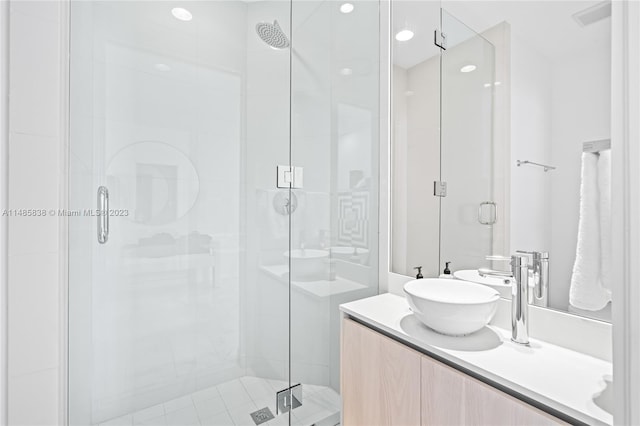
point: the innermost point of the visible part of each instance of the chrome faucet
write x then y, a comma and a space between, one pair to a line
519, 296
539, 269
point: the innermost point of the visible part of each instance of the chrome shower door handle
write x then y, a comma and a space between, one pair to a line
102, 214
492, 209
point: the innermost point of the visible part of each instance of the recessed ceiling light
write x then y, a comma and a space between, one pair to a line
487, 85
497, 83
468, 68
346, 71
409, 93
404, 35
346, 8
162, 67
181, 14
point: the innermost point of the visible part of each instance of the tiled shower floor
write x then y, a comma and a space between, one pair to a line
230, 404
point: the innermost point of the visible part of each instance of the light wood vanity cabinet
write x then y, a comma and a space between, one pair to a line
380, 379
387, 383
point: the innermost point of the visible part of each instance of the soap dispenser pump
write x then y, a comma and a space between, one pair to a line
447, 272
419, 276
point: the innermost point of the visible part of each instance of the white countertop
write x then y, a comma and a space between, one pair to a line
320, 288
556, 377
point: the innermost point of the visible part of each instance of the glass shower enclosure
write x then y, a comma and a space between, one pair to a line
468, 212
223, 161
444, 209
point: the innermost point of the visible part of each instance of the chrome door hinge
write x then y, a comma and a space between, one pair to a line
290, 177
440, 188
289, 399
440, 39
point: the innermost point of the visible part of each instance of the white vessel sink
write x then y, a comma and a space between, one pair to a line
353, 254
451, 307
308, 264
503, 285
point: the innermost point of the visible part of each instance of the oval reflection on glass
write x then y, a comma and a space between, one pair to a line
156, 182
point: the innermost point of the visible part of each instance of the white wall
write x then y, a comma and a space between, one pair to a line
422, 98
580, 112
416, 165
35, 179
530, 140
556, 105
399, 170
625, 116
4, 199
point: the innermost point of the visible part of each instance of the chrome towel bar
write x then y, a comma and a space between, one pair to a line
544, 166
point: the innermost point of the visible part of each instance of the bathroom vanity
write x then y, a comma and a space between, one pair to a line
394, 370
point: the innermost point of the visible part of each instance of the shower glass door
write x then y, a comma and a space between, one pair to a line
235, 145
179, 299
334, 133
468, 211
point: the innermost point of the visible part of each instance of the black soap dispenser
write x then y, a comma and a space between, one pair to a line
447, 272
419, 276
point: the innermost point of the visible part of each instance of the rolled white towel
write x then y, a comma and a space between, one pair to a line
586, 290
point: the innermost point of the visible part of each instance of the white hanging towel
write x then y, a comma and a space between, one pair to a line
587, 290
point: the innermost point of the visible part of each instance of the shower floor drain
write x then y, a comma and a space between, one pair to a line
262, 415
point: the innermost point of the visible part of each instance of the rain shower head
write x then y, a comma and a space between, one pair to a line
272, 34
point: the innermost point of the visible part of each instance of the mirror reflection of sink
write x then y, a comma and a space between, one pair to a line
502, 285
308, 264
353, 254
604, 398
451, 307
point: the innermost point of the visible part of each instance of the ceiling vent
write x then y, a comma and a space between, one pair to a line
593, 14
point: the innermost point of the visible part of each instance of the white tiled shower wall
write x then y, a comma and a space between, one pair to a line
35, 182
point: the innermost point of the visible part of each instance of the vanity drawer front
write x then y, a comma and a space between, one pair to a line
450, 397
485, 405
442, 390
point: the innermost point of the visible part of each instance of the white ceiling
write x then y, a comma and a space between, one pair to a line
547, 26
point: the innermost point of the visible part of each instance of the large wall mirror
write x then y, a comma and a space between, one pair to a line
507, 104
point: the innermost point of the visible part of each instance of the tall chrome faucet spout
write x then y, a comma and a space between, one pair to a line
539, 268
520, 300
519, 296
